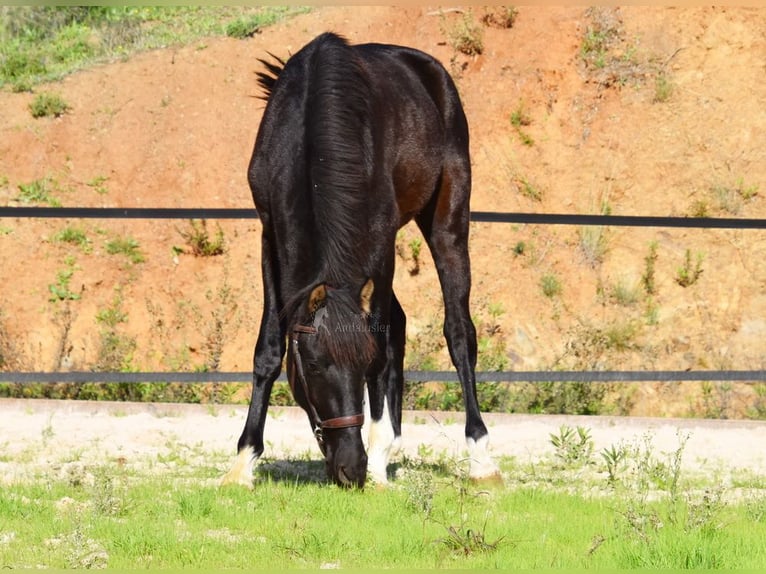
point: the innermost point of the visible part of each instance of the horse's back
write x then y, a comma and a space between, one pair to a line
416, 123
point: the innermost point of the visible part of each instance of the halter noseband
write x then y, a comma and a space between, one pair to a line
316, 421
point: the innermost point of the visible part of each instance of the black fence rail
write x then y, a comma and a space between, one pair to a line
476, 216
411, 376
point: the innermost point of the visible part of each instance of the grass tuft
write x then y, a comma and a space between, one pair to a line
48, 105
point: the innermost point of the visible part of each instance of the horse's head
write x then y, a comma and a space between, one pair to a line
331, 348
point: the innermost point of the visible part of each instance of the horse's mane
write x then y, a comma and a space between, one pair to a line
338, 164
267, 79
338, 153
339, 158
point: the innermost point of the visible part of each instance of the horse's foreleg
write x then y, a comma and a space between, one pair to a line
385, 394
267, 364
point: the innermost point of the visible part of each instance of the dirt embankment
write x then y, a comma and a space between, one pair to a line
635, 111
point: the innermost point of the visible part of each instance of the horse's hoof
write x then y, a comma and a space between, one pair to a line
494, 479
241, 472
228, 479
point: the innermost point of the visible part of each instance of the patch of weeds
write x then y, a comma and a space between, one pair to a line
47, 433
39, 191
551, 285
701, 514
601, 33
115, 350
520, 248
624, 294
520, 118
732, 198
467, 537
528, 189
242, 28
589, 347
48, 105
614, 459
648, 278
223, 322
746, 192
699, 208
98, 184
560, 397
106, 498
466, 36
424, 346
663, 88
199, 240
757, 409
716, 399
74, 236
655, 501
415, 246
652, 312
573, 447
593, 238
756, 508
78, 550
61, 290
689, 272
11, 357
420, 488
426, 495
126, 246
500, 16
593, 244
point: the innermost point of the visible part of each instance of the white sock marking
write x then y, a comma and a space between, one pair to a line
381, 441
480, 463
241, 471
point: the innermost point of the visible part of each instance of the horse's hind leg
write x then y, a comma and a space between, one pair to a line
444, 224
385, 393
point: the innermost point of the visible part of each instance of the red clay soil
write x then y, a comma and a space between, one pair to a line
668, 121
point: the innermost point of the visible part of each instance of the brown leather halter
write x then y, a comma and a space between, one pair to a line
316, 421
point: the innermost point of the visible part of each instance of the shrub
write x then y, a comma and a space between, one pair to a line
466, 36
500, 17
688, 273
551, 285
199, 241
47, 105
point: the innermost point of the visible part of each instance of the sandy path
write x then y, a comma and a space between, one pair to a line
37, 436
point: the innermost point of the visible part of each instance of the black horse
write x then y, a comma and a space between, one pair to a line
355, 142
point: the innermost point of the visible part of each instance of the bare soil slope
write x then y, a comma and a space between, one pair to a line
634, 111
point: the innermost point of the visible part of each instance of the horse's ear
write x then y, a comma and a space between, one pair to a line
365, 296
317, 297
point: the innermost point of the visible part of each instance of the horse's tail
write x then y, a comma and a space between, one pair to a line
339, 154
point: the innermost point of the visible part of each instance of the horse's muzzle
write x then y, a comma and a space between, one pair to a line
347, 465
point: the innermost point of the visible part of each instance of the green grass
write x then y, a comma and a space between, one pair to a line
114, 515
44, 43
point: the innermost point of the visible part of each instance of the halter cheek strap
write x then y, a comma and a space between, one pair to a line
316, 421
